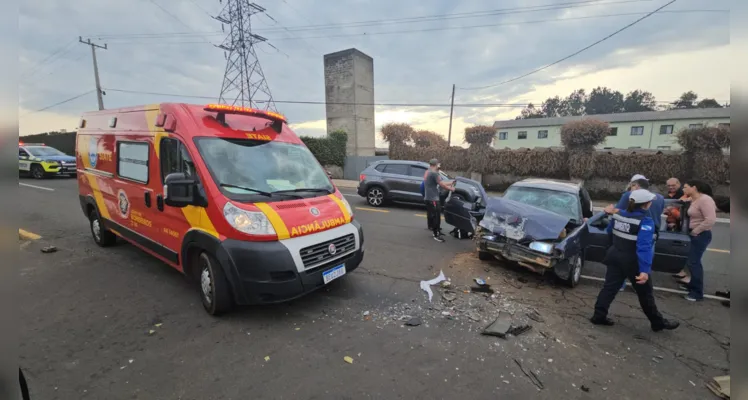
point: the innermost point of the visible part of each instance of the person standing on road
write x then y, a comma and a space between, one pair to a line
630, 256
703, 215
432, 183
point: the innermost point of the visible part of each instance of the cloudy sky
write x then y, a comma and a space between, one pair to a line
420, 49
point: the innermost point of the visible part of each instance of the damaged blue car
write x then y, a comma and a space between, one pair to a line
546, 225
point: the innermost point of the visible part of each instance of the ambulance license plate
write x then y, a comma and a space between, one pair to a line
334, 273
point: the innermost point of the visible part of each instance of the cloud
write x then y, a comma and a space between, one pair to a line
414, 67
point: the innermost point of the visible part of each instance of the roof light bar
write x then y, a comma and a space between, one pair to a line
227, 109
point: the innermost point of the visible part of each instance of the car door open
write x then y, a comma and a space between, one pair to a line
463, 214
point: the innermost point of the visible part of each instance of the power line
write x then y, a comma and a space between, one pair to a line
409, 20
58, 103
167, 12
50, 59
519, 23
575, 53
383, 104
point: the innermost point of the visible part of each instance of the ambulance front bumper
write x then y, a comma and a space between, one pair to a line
274, 272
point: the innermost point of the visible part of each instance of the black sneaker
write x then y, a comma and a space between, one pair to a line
439, 239
602, 321
666, 324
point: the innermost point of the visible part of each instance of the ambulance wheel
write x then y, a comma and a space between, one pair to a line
37, 172
485, 256
214, 288
102, 236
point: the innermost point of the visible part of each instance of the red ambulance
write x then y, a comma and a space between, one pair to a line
228, 195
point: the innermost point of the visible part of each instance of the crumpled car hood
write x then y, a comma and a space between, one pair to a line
521, 222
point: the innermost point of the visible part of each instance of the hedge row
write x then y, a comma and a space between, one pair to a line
329, 150
703, 158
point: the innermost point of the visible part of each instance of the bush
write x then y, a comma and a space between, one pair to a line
585, 133
329, 150
708, 138
425, 138
396, 133
480, 134
620, 165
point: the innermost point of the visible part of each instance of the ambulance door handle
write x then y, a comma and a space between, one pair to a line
160, 202
148, 199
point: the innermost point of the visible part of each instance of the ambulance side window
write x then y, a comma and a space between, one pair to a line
175, 158
22, 153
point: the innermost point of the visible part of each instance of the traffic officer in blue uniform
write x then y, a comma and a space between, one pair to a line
630, 255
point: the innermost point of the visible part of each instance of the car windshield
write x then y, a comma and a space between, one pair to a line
44, 151
562, 203
249, 167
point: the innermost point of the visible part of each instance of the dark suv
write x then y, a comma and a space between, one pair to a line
400, 181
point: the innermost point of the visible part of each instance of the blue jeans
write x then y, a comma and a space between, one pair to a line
699, 243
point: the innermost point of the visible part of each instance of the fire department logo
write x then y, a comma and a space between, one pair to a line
93, 151
123, 204
314, 211
332, 249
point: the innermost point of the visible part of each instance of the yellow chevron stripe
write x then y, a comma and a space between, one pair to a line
280, 227
344, 210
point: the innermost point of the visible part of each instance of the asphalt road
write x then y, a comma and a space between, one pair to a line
115, 323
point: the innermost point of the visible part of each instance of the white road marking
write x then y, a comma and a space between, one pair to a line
36, 187
661, 289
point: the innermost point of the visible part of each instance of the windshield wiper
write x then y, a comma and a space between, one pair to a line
317, 190
228, 185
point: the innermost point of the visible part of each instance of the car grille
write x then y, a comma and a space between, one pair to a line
319, 253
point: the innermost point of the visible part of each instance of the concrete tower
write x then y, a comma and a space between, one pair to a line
349, 81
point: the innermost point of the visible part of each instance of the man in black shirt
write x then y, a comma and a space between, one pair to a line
674, 189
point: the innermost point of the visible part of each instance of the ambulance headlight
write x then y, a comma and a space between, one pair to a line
347, 206
542, 247
250, 222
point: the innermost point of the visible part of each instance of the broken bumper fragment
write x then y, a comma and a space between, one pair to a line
516, 252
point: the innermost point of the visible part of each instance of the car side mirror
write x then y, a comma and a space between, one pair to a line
180, 191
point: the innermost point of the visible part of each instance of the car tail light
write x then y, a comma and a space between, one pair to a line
361, 177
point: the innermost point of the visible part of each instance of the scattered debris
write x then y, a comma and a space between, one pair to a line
520, 329
585, 389
426, 285
449, 296
474, 315
446, 284
49, 249
348, 359
655, 359
158, 325
130, 361
530, 375
366, 313
298, 329
151, 332
481, 289
535, 316
500, 327
522, 279
692, 384
480, 281
720, 386
415, 321
267, 358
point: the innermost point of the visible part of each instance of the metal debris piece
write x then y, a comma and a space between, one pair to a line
481, 289
480, 281
520, 329
585, 389
49, 249
415, 321
530, 375
500, 327
474, 316
348, 359
535, 316
449, 296
446, 284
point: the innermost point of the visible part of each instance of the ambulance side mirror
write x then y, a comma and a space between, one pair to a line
180, 191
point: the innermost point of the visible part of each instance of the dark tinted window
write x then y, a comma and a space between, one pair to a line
397, 169
175, 158
380, 167
417, 172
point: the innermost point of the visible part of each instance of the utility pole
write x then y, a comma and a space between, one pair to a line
99, 93
451, 111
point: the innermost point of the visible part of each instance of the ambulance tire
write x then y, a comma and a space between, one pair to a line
214, 287
102, 236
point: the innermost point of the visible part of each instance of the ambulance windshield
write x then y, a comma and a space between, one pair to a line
263, 167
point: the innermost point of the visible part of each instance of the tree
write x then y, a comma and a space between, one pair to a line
575, 103
603, 100
686, 100
639, 100
531, 112
553, 107
708, 103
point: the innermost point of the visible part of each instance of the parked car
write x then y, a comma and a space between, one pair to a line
539, 224
400, 181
